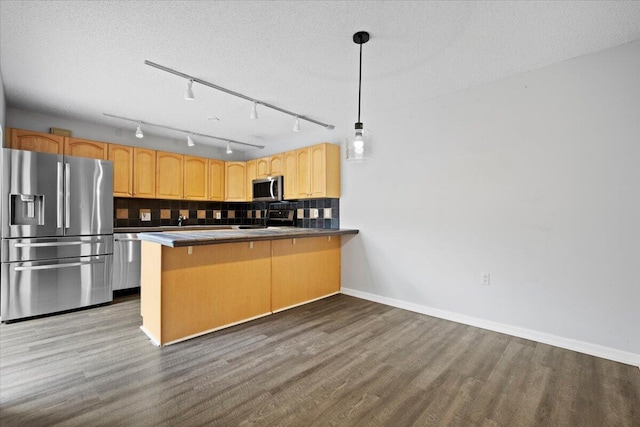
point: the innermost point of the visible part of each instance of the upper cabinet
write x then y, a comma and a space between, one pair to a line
269, 166
195, 178
318, 171
86, 148
290, 173
169, 175
122, 157
216, 180
36, 141
252, 173
235, 181
144, 173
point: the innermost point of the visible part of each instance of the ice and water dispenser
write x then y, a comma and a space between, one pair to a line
27, 209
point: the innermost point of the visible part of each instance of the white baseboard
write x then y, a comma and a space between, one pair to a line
530, 334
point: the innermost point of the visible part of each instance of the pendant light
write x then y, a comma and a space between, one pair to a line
139, 133
357, 149
188, 93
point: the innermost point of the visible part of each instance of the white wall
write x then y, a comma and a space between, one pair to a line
534, 179
3, 111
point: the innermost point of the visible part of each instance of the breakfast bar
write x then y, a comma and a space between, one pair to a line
199, 281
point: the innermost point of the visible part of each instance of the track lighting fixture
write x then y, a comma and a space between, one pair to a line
190, 135
356, 148
254, 111
229, 150
239, 95
188, 93
296, 125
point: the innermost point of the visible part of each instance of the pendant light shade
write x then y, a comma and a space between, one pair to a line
358, 148
296, 125
190, 142
254, 111
229, 150
139, 133
188, 93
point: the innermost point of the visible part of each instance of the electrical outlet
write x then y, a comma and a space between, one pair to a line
217, 214
313, 213
145, 216
485, 279
327, 212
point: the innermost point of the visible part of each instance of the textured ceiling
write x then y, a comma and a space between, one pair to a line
81, 59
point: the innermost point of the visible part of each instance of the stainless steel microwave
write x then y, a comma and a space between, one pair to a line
268, 189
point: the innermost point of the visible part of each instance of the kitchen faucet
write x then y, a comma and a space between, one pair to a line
180, 219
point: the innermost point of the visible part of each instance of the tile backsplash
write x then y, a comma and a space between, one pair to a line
314, 213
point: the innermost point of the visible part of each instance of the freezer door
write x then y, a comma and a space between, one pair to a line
42, 287
88, 201
32, 194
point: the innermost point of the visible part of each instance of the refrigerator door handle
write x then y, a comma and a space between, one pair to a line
60, 195
67, 195
55, 266
50, 244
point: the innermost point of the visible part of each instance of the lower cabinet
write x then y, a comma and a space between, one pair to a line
303, 270
188, 292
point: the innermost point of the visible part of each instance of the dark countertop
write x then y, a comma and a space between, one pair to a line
186, 237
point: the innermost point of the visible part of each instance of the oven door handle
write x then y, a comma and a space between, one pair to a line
55, 266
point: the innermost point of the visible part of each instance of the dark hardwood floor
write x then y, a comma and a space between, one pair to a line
341, 361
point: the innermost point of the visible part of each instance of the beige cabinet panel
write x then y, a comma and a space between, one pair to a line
144, 173
252, 168
195, 178
37, 141
86, 148
122, 157
216, 180
318, 171
235, 181
290, 172
303, 270
169, 175
262, 167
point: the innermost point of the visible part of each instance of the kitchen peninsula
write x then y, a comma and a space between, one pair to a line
199, 281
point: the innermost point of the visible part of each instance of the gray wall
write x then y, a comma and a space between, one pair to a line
3, 111
534, 179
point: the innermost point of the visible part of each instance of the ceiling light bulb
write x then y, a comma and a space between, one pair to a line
139, 133
188, 93
296, 125
229, 150
190, 142
254, 111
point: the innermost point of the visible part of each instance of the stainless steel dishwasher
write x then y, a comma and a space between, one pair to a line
126, 261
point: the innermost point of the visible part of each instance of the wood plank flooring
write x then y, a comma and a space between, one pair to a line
340, 361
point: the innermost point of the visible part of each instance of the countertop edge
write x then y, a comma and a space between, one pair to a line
164, 239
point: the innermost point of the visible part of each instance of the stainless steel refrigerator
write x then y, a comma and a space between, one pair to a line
57, 233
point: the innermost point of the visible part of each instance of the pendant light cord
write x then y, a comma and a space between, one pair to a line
360, 83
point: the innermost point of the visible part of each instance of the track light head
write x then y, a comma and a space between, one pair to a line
296, 125
229, 150
188, 93
139, 133
190, 142
254, 111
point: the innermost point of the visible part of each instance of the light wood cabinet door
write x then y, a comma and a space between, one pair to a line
86, 148
235, 189
216, 180
290, 171
303, 176
318, 172
195, 178
169, 175
262, 167
122, 157
303, 270
276, 164
252, 173
144, 173
37, 141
